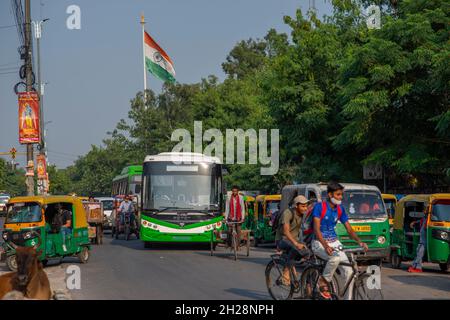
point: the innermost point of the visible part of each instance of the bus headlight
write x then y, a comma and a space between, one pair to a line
381, 239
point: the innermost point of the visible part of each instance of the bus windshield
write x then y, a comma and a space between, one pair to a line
441, 211
23, 212
179, 190
361, 204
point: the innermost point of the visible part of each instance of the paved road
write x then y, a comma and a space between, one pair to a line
125, 270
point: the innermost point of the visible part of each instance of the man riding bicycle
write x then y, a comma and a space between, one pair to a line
326, 244
127, 207
288, 232
235, 210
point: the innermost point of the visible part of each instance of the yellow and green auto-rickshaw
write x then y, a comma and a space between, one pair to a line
390, 202
405, 239
266, 206
250, 212
32, 220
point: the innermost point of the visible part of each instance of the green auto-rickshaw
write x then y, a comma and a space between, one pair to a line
266, 206
405, 239
29, 218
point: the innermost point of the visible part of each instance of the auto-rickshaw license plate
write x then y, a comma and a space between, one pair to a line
361, 228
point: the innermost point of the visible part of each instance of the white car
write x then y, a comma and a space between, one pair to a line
108, 205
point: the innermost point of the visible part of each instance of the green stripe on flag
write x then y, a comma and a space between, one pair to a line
158, 71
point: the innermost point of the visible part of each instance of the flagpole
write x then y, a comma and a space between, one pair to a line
143, 58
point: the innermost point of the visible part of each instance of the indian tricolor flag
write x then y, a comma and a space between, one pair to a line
157, 61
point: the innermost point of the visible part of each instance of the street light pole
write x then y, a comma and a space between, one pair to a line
29, 181
37, 34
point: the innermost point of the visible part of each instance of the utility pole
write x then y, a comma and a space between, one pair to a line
37, 34
29, 81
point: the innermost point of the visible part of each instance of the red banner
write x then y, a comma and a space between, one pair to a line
29, 126
41, 166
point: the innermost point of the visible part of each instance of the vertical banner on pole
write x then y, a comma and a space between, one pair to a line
29, 128
41, 167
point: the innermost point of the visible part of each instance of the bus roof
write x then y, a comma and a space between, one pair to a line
129, 171
186, 157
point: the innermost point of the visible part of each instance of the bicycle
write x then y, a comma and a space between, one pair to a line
235, 239
278, 286
235, 242
357, 283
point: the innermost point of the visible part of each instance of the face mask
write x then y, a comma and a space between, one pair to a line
336, 202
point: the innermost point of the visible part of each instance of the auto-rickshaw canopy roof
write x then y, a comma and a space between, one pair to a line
388, 196
78, 210
425, 198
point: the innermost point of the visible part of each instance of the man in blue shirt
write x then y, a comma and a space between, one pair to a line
325, 245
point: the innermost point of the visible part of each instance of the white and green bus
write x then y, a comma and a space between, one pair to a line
181, 198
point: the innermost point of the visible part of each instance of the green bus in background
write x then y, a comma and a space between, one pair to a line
182, 198
128, 182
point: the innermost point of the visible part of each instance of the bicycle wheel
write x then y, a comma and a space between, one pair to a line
309, 283
235, 244
364, 289
279, 287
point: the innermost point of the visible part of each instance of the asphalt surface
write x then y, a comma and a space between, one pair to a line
121, 269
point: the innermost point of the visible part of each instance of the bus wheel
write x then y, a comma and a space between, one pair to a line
396, 260
444, 266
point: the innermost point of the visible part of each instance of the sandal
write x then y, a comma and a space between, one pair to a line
325, 292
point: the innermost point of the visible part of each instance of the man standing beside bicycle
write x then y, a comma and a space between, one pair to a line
326, 244
288, 231
235, 211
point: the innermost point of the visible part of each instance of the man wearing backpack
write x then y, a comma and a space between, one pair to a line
325, 245
288, 231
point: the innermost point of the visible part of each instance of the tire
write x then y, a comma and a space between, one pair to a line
309, 284
235, 247
396, 260
361, 290
11, 262
444, 266
274, 283
44, 262
126, 232
83, 255
256, 242
248, 245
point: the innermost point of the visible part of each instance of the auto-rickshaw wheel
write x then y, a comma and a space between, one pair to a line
444, 266
44, 262
396, 260
83, 255
11, 262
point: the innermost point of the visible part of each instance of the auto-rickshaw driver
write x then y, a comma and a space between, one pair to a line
63, 221
420, 224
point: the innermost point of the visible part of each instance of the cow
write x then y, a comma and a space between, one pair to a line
30, 278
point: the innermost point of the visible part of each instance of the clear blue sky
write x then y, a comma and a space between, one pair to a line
94, 72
